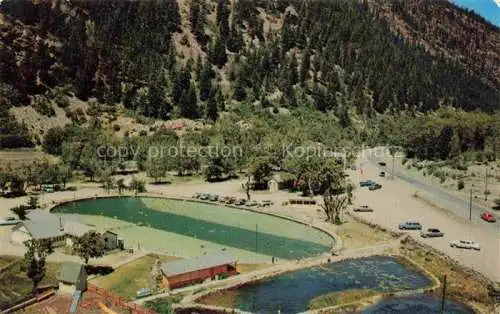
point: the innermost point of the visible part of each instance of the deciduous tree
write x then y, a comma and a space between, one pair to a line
90, 245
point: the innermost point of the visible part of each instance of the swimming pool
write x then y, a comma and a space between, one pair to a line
190, 228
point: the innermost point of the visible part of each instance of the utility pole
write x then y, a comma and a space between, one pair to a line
470, 205
256, 239
486, 184
444, 293
392, 172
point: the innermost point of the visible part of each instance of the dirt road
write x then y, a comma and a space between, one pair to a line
396, 203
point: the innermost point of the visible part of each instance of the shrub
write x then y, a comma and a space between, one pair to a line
460, 185
480, 156
43, 106
442, 178
116, 127
61, 101
143, 133
276, 110
77, 116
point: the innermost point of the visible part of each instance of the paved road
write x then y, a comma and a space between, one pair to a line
454, 204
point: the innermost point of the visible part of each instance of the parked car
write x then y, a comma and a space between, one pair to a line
374, 187
266, 203
204, 196
465, 244
410, 225
231, 200
363, 208
381, 174
252, 204
223, 199
431, 233
196, 195
366, 183
241, 201
143, 292
213, 197
489, 217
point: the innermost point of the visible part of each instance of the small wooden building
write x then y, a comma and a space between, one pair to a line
72, 277
112, 240
213, 266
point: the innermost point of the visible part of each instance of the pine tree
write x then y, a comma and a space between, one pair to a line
206, 76
212, 110
220, 99
157, 104
304, 66
222, 19
235, 39
189, 103
219, 57
239, 91
181, 84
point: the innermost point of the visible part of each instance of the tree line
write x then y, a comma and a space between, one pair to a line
337, 56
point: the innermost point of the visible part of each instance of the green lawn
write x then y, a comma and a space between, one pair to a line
129, 278
14, 284
341, 297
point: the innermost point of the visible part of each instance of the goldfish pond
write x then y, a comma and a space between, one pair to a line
292, 292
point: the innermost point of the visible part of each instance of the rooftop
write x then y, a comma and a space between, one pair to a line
76, 229
70, 272
43, 224
178, 267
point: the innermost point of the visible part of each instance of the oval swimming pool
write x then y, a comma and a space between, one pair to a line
185, 228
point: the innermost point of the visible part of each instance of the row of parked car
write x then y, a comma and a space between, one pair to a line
231, 200
434, 233
428, 233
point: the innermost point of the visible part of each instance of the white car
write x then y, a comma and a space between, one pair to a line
465, 244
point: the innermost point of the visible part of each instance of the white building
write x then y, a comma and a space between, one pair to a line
43, 225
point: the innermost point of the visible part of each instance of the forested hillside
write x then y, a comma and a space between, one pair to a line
197, 59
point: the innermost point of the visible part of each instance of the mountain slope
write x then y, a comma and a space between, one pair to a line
446, 30
193, 59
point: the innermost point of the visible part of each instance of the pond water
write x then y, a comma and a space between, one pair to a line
419, 304
182, 227
292, 292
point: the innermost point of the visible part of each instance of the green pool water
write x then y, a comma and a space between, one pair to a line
188, 228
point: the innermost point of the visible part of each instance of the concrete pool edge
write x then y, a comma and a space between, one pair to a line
338, 243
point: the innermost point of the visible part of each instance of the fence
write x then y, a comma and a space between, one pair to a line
119, 301
31, 301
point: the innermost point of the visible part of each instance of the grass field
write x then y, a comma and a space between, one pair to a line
5, 260
355, 235
129, 278
341, 297
14, 285
9, 156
